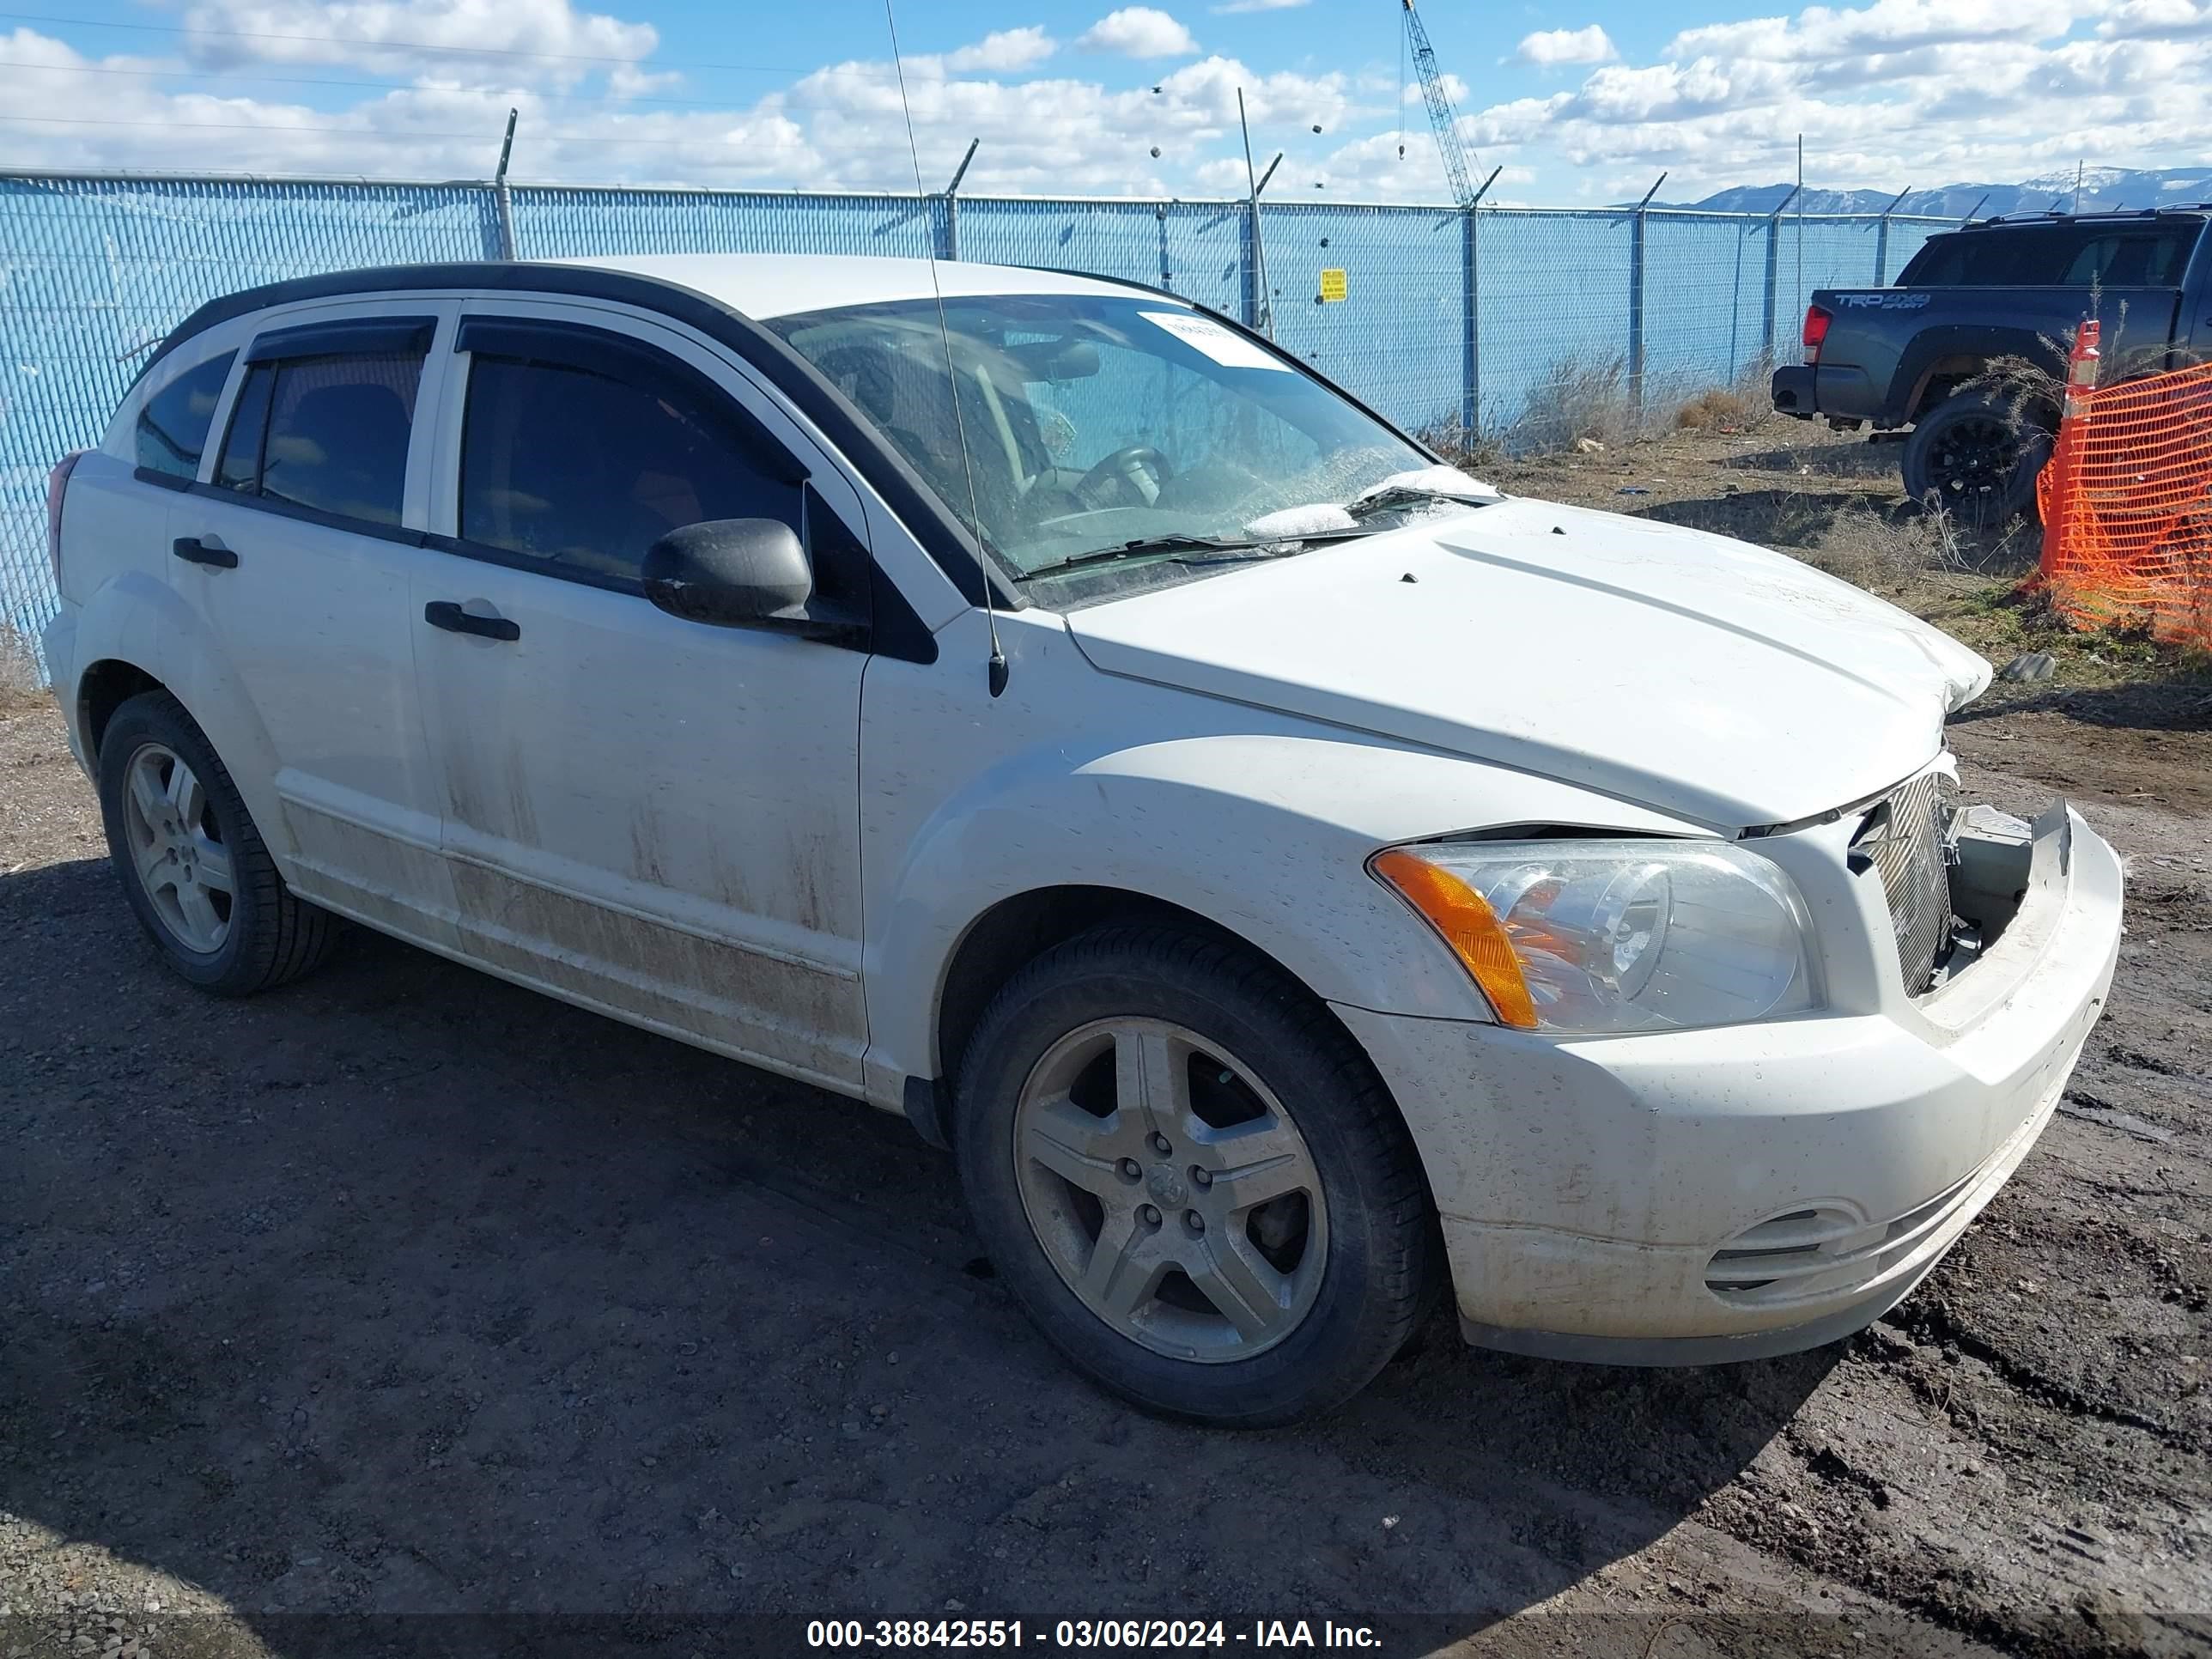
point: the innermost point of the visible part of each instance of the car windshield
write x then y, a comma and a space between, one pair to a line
1100, 426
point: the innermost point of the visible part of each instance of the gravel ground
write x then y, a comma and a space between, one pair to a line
406, 1292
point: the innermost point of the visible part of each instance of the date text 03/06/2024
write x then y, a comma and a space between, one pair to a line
1086, 1633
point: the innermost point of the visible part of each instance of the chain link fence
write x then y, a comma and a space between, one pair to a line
1514, 325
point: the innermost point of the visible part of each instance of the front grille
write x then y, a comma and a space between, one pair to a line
1906, 838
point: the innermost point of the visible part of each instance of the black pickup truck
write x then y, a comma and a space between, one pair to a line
1894, 357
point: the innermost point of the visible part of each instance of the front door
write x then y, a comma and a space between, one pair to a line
649, 815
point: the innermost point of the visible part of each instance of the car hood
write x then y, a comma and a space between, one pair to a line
1678, 670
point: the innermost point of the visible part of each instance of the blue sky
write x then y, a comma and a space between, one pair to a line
1576, 102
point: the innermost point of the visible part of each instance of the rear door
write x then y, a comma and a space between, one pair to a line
651, 816
300, 543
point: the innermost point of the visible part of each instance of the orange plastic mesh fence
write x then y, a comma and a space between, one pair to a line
2127, 508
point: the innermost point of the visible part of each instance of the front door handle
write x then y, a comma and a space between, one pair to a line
444, 613
193, 550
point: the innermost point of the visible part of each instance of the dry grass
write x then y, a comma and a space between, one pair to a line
1584, 403
1721, 409
21, 682
1578, 400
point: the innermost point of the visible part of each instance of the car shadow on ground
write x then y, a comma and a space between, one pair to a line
2181, 705
405, 1291
1860, 460
1801, 518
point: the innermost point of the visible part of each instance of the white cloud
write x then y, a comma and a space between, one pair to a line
1455, 90
1890, 92
1003, 51
1138, 31
1887, 93
1548, 47
2159, 20
1821, 33
561, 43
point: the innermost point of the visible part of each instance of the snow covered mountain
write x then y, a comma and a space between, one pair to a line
2101, 188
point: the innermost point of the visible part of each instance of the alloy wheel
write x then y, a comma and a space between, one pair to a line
1170, 1190
1974, 463
176, 848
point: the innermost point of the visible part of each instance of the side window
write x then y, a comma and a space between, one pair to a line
172, 427
2133, 258
329, 433
587, 470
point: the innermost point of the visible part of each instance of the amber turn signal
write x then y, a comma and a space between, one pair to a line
1467, 923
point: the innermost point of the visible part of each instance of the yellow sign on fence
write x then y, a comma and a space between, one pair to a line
1332, 285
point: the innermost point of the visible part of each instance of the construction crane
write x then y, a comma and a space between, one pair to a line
1440, 109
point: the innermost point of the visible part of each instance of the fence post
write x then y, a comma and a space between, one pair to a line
1248, 264
1774, 270
1636, 313
1470, 357
948, 248
1882, 241
1259, 302
1635, 298
502, 198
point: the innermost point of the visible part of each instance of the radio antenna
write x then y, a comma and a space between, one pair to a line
996, 677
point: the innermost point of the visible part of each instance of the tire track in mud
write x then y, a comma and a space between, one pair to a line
1931, 1319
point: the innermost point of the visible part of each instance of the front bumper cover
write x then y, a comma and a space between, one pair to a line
1584, 1186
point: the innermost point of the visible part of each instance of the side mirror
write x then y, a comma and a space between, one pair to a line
734, 572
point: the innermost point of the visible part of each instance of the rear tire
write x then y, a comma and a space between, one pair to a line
1977, 458
193, 866
1192, 1178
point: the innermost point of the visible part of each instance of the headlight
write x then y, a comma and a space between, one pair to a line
1604, 936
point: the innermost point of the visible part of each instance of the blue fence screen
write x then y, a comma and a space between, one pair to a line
1496, 324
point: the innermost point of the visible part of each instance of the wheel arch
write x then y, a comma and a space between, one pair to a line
1940, 380
104, 687
1023, 927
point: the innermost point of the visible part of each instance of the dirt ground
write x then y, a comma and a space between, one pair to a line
406, 1311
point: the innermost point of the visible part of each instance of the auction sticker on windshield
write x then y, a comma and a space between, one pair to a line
1204, 334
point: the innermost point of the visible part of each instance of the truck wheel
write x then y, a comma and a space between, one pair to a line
1975, 457
1192, 1178
193, 865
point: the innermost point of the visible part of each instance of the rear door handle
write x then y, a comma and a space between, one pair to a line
193, 550
444, 613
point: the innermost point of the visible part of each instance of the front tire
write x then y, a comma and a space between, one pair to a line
1192, 1179
193, 865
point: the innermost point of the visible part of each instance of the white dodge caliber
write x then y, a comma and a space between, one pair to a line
1290, 877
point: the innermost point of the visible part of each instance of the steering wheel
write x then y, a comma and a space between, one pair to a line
1127, 465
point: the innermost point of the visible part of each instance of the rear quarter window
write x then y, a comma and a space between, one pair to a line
172, 430
326, 433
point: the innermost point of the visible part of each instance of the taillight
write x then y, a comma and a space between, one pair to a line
1816, 330
57, 486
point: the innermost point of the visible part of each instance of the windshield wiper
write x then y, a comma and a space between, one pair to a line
1404, 495
1239, 549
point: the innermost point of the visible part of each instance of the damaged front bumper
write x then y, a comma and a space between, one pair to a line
1687, 1197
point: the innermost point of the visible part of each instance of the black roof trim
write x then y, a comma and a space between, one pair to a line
362, 336
932, 523
2095, 216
